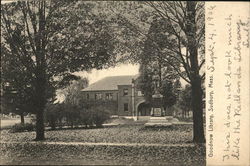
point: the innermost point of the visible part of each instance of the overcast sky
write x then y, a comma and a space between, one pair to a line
125, 69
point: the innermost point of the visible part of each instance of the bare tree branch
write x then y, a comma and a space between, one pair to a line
203, 76
32, 44
180, 4
172, 9
200, 34
202, 63
177, 70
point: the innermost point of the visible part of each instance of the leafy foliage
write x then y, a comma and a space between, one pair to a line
72, 93
53, 115
152, 58
22, 127
50, 40
56, 38
17, 93
187, 26
186, 99
169, 95
99, 115
66, 114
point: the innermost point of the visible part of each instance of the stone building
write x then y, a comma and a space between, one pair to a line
122, 94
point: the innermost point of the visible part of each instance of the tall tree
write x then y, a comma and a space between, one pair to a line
17, 93
56, 38
151, 59
187, 26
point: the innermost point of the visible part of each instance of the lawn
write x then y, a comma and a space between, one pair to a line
126, 133
173, 152
51, 154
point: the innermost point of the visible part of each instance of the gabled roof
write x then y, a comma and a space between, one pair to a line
110, 83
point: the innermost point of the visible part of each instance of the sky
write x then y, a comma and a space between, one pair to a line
96, 75
124, 69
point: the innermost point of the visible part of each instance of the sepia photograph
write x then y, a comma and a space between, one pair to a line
108, 83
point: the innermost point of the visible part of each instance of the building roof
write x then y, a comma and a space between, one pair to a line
110, 83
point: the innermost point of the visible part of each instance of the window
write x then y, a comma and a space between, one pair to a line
87, 96
125, 106
98, 96
125, 92
109, 96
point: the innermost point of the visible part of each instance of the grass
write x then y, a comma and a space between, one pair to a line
40, 154
126, 133
46, 154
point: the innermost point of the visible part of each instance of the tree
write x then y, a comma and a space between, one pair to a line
185, 26
151, 59
72, 93
168, 87
80, 36
52, 114
17, 92
169, 95
187, 23
42, 33
14, 100
69, 105
185, 100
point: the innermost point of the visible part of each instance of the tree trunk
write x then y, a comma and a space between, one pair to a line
40, 125
40, 102
22, 118
41, 80
198, 130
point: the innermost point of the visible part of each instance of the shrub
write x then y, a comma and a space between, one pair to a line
190, 119
86, 117
72, 115
54, 114
75, 115
22, 127
50, 115
99, 115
